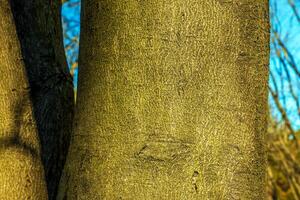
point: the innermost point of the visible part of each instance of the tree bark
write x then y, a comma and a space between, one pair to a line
21, 174
39, 30
172, 101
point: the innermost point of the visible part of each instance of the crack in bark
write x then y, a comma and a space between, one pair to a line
164, 151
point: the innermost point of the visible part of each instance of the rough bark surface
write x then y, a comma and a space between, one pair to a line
21, 170
39, 31
172, 101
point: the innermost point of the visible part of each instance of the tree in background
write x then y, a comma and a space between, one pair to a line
283, 134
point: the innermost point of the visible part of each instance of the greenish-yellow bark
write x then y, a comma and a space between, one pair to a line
172, 101
21, 171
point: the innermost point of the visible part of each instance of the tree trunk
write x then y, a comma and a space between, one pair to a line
172, 101
21, 174
40, 33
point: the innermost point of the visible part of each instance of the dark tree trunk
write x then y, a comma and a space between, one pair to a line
40, 34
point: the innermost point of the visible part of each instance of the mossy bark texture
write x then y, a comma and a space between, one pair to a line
21, 170
172, 101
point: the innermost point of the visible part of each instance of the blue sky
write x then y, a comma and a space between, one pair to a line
71, 13
289, 29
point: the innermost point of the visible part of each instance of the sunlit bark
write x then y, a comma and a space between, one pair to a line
172, 101
21, 174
